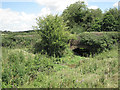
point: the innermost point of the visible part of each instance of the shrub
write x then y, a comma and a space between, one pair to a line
53, 33
97, 42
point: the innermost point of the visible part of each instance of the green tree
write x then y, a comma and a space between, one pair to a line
96, 26
74, 14
54, 34
91, 19
116, 14
109, 23
79, 18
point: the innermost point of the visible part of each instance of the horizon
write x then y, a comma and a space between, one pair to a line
19, 15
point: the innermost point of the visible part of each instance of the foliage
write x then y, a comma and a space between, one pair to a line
91, 18
22, 69
15, 69
97, 42
42, 63
98, 72
79, 17
74, 14
54, 36
109, 23
114, 11
96, 25
17, 40
111, 20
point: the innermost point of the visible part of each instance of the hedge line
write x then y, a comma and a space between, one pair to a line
97, 42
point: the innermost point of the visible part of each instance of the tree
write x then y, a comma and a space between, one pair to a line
92, 19
53, 34
116, 14
109, 23
96, 26
74, 14
79, 18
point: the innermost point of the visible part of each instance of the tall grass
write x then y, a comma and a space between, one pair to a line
100, 71
22, 68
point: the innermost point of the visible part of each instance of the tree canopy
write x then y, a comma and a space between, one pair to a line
80, 18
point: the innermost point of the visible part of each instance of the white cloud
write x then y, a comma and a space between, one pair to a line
93, 7
13, 21
115, 4
57, 5
19, 21
45, 11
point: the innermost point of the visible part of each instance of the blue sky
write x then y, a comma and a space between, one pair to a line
17, 15
33, 7
102, 5
28, 7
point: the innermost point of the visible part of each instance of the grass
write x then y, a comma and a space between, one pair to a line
23, 69
100, 71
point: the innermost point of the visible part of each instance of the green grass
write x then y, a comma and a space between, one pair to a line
100, 71
23, 69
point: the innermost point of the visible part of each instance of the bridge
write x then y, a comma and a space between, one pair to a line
74, 44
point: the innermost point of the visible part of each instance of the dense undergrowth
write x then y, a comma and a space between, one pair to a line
23, 68
45, 59
98, 42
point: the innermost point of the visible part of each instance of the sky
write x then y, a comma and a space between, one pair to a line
20, 15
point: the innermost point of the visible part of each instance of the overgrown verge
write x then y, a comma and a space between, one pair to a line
98, 42
98, 72
16, 67
20, 67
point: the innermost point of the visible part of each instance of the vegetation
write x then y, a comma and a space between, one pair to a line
22, 69
98, 42
43, 58
53, 34
79, 18
18, 39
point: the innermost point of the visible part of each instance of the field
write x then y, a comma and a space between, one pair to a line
23, 68
76, 48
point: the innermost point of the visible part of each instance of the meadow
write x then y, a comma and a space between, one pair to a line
77, 49
22, 68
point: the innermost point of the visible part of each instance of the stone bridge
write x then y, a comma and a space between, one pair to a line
79, 49
74, 44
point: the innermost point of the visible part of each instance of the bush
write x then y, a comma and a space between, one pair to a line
53, 34
97, 42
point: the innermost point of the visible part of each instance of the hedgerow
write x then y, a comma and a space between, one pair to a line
97, 42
